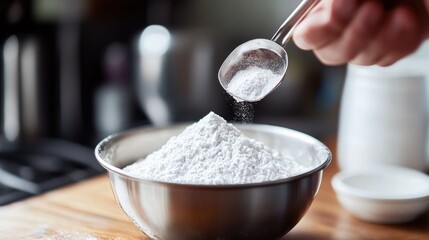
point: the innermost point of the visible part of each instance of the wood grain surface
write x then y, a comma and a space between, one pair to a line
88, 211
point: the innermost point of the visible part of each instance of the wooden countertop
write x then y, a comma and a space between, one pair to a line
88, 211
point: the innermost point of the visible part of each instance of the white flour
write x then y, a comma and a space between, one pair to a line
253, 83
213, 152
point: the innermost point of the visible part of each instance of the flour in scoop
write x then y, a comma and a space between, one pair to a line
213, 152
253, 83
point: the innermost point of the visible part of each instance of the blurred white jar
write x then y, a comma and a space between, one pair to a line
384, 115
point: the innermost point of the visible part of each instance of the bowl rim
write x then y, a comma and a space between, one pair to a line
340, 187
267, 128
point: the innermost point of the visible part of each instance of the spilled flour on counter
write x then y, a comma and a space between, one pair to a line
213, 152
253, 83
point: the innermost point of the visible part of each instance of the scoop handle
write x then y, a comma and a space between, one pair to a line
285, 31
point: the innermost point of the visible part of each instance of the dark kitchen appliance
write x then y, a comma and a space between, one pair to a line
27, 168
36, 155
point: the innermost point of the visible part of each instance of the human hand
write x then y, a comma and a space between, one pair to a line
364, 32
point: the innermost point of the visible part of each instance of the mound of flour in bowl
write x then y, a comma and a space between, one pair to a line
213, 152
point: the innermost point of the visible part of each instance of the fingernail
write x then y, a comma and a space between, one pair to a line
301, 42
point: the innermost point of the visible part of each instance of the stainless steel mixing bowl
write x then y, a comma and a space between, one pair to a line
266, 210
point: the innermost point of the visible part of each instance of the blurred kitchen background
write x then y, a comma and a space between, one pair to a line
74, 71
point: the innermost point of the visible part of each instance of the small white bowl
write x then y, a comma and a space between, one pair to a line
383, 194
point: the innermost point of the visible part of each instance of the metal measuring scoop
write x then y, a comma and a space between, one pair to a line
263, 53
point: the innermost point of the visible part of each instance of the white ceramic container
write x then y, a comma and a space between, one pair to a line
384, 194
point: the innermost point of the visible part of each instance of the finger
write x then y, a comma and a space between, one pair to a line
410, 37
325, 24
360, 32
390, 36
